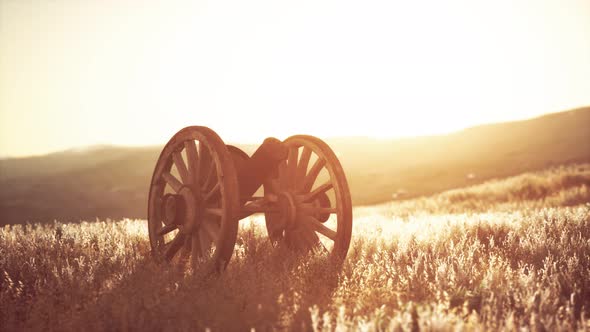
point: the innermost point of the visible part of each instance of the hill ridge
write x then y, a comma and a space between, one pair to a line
113, 182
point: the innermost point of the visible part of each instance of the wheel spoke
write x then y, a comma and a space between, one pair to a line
273, 186
319, 190
203, 154
210, 175
186, 249
292, 167
317, 226
210, 228
205, 242
317, 210
255, 198
217, 212
181, 167
172, 181
275, 228
310, 237
212, 192
174, 246
313, 174
161, 167
302, 167
292, 240
193, 161
166, 229
195, 249
206, 163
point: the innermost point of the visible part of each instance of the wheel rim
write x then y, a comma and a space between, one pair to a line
310, 186
193, 200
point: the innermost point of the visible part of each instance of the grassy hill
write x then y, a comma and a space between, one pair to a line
112, 182
506, 255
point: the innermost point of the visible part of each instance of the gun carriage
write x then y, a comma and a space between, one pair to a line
201, 188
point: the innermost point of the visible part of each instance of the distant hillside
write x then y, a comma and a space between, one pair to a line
426, 165
113, 181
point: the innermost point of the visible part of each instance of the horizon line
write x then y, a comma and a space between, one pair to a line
97, 146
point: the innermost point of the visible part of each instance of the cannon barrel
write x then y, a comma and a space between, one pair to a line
253, 171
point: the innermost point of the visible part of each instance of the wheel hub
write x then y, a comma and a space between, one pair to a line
322, 202
288, 208
173, 207
182, 209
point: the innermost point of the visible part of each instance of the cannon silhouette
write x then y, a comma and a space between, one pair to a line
201, 188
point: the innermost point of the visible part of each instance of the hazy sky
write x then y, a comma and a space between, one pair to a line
81, 72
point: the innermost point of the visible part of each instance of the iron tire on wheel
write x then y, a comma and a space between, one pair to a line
199, 209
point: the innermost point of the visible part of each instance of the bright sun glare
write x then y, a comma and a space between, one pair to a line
88, 72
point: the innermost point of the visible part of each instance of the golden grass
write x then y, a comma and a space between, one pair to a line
560, 186
505, 255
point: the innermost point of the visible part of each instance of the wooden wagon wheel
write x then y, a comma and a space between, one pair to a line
194, 200
313, 198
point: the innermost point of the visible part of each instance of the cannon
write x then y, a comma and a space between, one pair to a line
201, 188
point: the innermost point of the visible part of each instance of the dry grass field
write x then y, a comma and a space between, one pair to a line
511, 254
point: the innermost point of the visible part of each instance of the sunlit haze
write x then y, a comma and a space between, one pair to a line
80, 72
